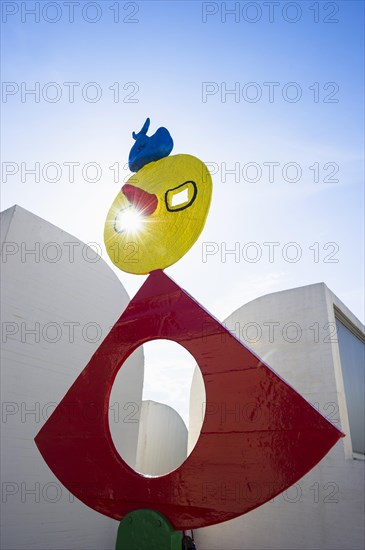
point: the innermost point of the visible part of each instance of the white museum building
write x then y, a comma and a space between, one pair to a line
55, 314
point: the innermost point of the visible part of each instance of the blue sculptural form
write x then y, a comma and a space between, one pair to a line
148, 149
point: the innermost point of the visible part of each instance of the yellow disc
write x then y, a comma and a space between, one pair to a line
159, 214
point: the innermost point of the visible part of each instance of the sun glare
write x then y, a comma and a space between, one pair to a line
129, 220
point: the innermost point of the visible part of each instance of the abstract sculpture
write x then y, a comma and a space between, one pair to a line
237, 463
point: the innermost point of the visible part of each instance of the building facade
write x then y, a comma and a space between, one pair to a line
311, 339
59, 299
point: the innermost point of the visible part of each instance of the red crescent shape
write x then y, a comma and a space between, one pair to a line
241, 459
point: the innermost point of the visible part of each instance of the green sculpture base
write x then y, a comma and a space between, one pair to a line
147, 530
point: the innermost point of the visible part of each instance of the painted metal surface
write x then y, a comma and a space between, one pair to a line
244, 456
158, 214
149, 148
147, 530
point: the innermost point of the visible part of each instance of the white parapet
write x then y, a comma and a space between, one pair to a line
309, 337
162, 441
59, 299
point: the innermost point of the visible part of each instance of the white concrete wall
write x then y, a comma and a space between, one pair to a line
196, 408
71, 305
162, 441
292, 332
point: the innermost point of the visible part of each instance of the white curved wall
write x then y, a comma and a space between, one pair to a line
70, 305
162, 441
292, 331
196, 408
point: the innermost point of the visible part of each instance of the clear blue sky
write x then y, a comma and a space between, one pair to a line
161, 62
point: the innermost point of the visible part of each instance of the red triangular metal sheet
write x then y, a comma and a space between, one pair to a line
241, 460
